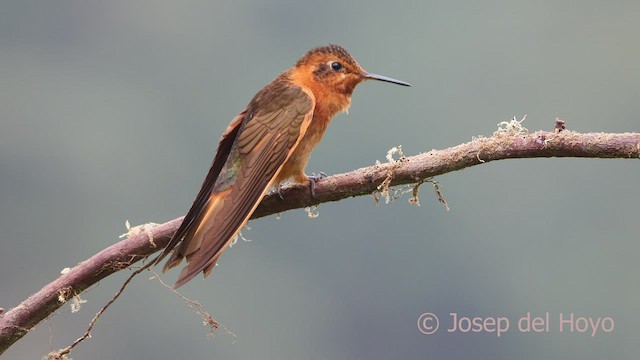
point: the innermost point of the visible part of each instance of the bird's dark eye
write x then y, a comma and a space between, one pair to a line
336, 66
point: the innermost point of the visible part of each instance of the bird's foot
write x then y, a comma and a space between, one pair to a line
313, 179
279, 191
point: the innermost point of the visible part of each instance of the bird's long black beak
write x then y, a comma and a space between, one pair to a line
384, 78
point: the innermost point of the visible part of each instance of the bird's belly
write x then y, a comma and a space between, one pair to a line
293, 168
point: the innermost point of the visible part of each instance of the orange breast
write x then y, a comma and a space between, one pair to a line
293, 169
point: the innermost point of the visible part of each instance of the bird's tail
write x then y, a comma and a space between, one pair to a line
206, 239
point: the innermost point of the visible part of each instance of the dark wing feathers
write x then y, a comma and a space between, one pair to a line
258, 168
252, 151
189, 224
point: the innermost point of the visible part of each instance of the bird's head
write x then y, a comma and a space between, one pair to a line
331, 72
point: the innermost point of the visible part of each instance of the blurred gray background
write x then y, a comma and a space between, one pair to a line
112, 111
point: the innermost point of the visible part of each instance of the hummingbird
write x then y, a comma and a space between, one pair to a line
265, 145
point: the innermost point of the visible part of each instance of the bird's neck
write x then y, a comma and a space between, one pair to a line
328, 101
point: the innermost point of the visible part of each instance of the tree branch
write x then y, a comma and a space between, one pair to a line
511, 142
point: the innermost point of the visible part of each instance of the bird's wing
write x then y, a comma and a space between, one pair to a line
192, 218
250, 155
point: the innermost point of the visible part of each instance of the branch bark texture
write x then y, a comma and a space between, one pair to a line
509, 144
